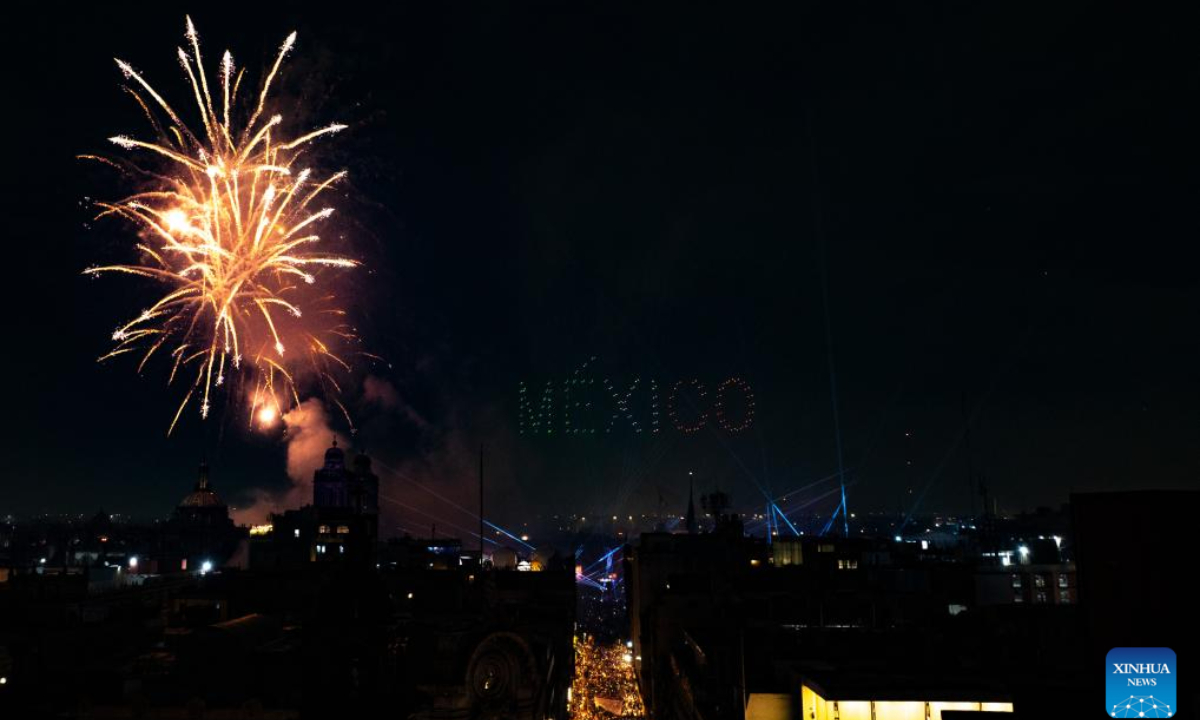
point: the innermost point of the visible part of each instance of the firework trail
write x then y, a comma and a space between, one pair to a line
228, 226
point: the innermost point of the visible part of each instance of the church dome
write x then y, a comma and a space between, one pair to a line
201, 498
202, 495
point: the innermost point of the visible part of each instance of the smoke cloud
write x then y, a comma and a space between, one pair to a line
380, 392
425, 449
309, 434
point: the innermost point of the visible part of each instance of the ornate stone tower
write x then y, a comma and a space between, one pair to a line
331, 483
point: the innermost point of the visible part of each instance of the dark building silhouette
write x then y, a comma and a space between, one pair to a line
331, 486
199, 531
341, 525
728, 626
1132, 551
202, 506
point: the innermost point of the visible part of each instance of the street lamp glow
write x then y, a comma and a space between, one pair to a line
206, 567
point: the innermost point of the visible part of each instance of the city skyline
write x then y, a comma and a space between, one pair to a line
599, 361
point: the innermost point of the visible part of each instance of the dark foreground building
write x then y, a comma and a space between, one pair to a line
729, 627
322, 623
1136, 586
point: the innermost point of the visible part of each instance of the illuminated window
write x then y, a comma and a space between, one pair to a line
343, 529
1039, 580
1040, 597
825, 548
815, 707
323, 529
847, 564
1062, 581
1064, 596
1016, 581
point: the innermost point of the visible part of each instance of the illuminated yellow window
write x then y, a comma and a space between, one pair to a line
815, 707
343, 529
323, 529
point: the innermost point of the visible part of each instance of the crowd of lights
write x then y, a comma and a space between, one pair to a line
226, 222
604, 686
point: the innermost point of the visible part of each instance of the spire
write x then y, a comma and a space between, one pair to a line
202, 481
691, 511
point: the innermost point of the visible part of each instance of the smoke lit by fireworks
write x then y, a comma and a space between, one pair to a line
227, 223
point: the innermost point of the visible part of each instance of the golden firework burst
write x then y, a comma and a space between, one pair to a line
227, 223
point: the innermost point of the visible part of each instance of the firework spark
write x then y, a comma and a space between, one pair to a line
228, 227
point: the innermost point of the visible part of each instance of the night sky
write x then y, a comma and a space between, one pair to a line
1003, 204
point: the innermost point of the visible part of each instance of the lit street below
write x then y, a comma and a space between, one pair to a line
604, 686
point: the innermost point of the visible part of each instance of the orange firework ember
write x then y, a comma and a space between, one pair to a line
228, 226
